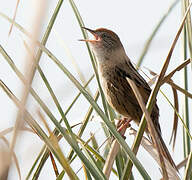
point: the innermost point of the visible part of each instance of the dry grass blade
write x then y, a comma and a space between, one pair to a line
169, 81
182, 163
172, 173
42, 118
111, 158
46, 154
8, 130
85, 172
53, 137
180, 89
14, 16
151, 127
165, 66
54, 164
152, 81
6, 158
181, 66
2, 134
175, 121
112, 154
4, 167
29, 68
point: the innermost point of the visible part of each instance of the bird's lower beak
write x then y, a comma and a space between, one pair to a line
93, 33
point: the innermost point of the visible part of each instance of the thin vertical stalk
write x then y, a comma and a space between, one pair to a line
185, 103
188, 28
188, 170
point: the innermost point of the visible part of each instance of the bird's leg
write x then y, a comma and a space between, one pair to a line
123, 124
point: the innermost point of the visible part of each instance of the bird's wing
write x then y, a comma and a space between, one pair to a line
144, 90
128, 70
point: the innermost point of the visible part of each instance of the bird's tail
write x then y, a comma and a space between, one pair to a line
165, 151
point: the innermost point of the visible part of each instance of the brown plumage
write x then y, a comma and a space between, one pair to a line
114, 67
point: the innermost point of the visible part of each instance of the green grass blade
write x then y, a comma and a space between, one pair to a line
42, 162
148, 42
75, 99
119, 163
88, 175
48, 30
61, 175
93, 151
92, 57
94, 163
182, 120
35, 162
85, 122
185, 103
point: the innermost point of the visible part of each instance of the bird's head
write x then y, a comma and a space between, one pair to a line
105, 42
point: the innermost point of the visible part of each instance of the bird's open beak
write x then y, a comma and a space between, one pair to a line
93, 33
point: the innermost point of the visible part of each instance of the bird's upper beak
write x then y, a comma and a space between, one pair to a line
93, 33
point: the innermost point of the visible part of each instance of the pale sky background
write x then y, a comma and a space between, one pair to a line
133, 21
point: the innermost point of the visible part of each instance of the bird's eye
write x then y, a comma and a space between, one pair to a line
104, 36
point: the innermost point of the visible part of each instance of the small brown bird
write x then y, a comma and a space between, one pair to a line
114, 66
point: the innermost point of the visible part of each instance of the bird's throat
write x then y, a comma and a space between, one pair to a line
110, 58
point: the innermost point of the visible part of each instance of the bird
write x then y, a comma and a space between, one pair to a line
114, 67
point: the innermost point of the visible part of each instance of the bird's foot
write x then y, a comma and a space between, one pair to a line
122, 125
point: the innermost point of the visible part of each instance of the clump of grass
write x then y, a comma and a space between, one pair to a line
94, 164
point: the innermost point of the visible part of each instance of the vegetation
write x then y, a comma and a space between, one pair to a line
118, 157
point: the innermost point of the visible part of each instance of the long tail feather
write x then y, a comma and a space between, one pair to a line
165, 151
